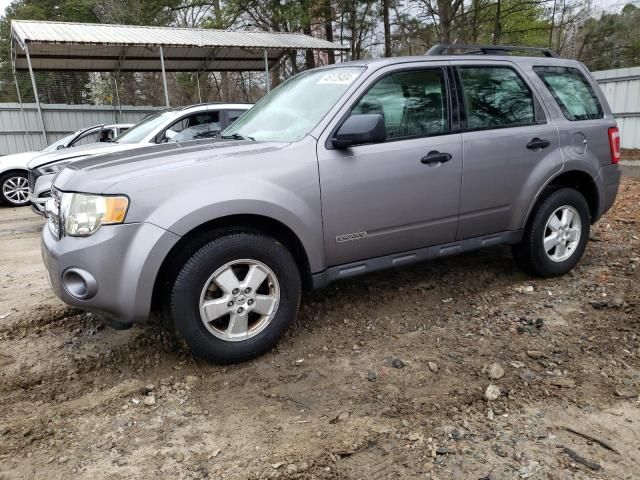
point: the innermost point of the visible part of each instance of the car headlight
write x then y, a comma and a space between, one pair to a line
52, 168
82, 214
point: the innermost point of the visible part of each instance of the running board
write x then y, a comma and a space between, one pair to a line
348, 270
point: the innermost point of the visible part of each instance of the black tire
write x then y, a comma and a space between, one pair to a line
530, 253
12, 176
185, 291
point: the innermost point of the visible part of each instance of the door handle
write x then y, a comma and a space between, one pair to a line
538, 144
435, 157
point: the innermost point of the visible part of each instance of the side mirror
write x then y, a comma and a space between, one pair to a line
59, 147
359, 129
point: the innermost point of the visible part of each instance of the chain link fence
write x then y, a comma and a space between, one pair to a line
135, 89
74, 100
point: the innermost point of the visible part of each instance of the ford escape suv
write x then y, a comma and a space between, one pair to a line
340, 171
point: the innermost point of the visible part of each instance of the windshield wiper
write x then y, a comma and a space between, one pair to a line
237, 136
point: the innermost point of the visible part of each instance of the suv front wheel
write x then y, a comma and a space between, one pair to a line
557, 234
235, 297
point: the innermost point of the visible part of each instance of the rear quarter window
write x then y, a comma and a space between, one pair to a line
572, 92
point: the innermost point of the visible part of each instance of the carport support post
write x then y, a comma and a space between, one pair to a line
115, 83
22, 114
164, 78
198, 81
266, 70
35, 94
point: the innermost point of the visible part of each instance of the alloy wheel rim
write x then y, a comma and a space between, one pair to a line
562, 233
239, 300
16, 190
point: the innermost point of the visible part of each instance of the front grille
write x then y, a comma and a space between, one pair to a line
32, 180
32, 176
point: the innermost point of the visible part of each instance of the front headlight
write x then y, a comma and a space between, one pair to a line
52, 168
83, 214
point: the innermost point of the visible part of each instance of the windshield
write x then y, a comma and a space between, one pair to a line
293, 109
141, 130
63, 141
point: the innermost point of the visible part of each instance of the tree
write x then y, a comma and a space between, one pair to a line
611, 41
387, 28
327, 12
53, 88
133, 12
308, 12
370, 28
443, 14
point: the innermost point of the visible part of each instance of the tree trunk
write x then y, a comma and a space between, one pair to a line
328, 30
560, 29
275, 22
275, 76
306, 29
353, 27
553, 19
223, 91
476, 22
497, 27
387, 28
445, 14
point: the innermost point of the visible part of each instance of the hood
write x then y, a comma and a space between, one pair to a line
17, 160
82, 151
97, 174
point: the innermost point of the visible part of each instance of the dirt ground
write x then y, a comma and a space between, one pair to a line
631, 153
382, 377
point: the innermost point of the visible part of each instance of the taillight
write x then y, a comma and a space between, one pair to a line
614, 143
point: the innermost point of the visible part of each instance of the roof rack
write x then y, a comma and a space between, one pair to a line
440, 48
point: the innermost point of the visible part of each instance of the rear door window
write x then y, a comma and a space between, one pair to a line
495, 97
572, 92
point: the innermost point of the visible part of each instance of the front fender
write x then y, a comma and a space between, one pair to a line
190, 209
16, 161
278, 183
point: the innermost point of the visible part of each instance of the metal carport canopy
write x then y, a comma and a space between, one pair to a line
95, 47
55, 46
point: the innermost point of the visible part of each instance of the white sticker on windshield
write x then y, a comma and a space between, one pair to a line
343, 78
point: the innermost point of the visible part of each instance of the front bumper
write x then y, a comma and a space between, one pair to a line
39, 191
122, 260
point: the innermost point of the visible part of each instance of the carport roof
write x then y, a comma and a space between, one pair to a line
90, 47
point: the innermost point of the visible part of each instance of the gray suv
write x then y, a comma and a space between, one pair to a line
340, 171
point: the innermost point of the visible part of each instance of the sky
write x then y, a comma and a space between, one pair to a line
3, 5
600, 5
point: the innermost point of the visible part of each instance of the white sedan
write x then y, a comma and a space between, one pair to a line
195, 122
14, 185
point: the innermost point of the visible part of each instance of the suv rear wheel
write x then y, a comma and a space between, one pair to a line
557, 234
235, 297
